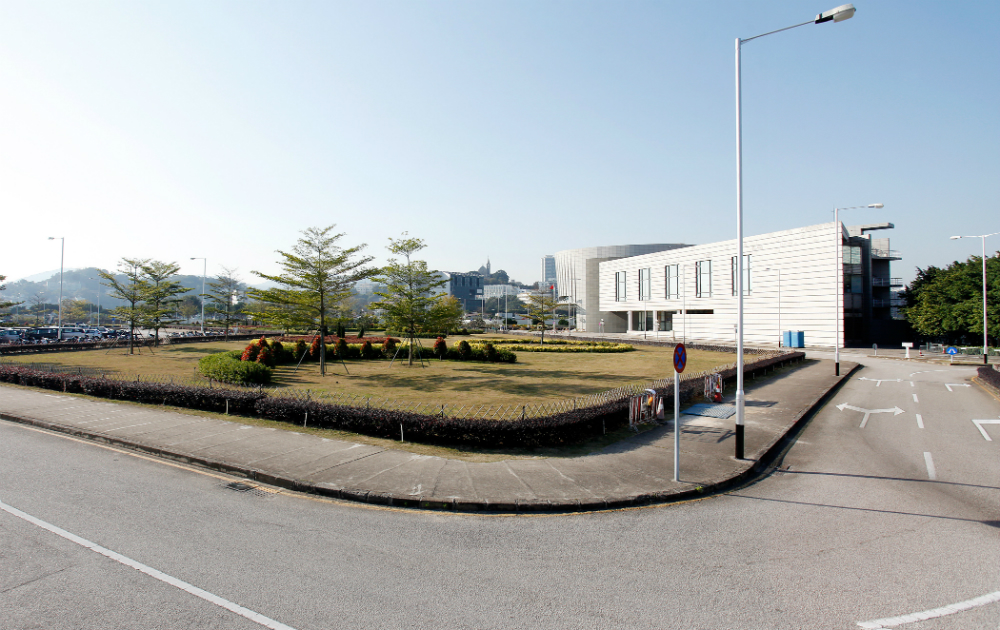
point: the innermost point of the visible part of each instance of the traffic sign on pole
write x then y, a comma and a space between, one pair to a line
680, 358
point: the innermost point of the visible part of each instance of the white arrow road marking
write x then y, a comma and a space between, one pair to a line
950, 385
879, 381
928, 371
979, 425
951, 609
894, 411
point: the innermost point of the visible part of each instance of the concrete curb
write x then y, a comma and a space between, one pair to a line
770, 454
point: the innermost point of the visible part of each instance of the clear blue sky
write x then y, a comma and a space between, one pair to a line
509, 129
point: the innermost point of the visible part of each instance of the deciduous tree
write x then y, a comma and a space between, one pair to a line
133, 289
948, 303
317, 275
411, 291
540, 307
225, 292
162, 297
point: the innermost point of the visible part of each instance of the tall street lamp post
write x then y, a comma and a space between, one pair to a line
986, 355
62, 257
204, 272
839, 14
98, 302
838, 289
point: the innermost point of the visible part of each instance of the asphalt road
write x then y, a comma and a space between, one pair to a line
858, 525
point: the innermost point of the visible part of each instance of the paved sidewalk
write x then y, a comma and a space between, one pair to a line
635, 471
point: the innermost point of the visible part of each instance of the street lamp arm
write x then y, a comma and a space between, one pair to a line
787, 28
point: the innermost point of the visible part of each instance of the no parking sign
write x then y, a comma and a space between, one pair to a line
680, 358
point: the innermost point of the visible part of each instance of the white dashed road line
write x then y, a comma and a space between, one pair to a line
920, 421
951, 609
915, 398
930, 466
151, 572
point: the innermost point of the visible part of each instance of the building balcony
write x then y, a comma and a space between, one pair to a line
889, 303
886, 254
887, 282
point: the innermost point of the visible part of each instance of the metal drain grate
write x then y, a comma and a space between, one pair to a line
711, 411
250, 489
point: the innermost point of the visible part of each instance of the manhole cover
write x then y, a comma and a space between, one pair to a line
239, 486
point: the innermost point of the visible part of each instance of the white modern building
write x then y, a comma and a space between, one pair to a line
577, 277
499, 290
819, 280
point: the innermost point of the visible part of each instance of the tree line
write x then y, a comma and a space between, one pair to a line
947, 304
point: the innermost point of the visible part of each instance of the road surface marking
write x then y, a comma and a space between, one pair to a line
915, 398
151, 572
920, 422
911, 384
895, 411
928, 372
950, 385
930, 466
879, 381
979, 425
951, 609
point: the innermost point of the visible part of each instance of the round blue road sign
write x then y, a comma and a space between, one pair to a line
951, 350
680, 358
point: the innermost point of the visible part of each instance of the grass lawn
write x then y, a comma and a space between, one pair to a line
536, 377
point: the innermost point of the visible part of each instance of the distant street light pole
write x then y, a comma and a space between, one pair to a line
839, 14
838, 290
204, 272
98, 303
986, 355
62, 257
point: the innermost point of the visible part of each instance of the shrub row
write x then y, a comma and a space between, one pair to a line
203, 398
228, 368
989, 376
554, 430
596, 348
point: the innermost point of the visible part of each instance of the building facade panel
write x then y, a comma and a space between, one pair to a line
806, 297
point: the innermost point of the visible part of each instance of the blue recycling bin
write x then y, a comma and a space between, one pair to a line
793, 338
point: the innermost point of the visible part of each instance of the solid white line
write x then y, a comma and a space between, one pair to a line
915, 398
930, 466
920, 421
951, 609
153, 573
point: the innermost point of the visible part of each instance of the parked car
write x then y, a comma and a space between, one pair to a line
42, 335
9, 335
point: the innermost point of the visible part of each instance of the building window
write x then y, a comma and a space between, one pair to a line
703, 278
673, 284
746, 275
621, 293
644, 284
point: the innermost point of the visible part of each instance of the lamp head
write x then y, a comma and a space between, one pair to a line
841, 13
955, 237
876, 205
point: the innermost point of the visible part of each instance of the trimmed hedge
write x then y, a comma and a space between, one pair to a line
989, 376
204, 398
554, 430
595, 348
229, 368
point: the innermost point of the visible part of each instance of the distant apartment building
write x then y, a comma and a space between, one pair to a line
549, 276
466, 287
